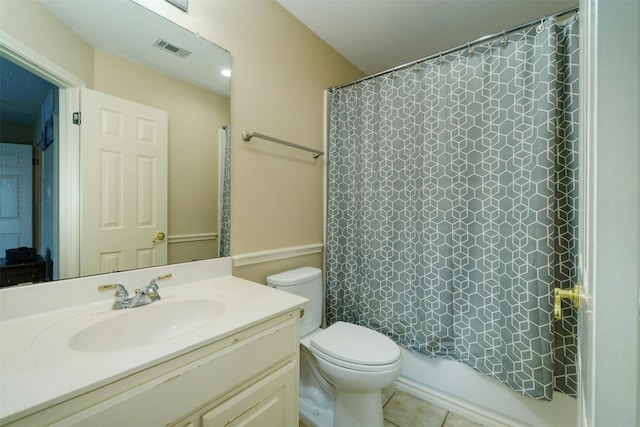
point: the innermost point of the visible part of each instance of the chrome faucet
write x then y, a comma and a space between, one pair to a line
143, 296
121, 297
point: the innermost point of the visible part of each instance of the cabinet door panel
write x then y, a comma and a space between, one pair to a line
268, 402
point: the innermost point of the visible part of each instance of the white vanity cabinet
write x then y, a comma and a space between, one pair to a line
264, 403
249, 378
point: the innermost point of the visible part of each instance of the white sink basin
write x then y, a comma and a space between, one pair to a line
145, 325
114, 330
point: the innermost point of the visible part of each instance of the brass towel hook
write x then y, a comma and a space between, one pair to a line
572, 294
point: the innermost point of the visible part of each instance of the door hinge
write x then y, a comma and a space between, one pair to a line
77, 118
35, 162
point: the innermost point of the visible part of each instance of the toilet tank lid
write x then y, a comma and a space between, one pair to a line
294, 277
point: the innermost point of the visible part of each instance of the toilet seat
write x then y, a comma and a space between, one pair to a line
355, 347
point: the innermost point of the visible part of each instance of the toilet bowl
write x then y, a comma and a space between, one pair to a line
344, 367
317, 395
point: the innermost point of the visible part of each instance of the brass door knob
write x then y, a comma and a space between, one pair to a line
159, 237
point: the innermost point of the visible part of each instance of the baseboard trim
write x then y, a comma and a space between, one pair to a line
276, 254
463, 408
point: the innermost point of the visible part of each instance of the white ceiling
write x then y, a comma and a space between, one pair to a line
374, 35
377, 35
125, 29
128, 30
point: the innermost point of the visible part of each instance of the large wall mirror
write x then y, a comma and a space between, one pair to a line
136, 56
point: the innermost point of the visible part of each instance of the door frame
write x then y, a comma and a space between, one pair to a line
609, 327
69, 85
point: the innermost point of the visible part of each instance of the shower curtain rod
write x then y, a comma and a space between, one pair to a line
457, 48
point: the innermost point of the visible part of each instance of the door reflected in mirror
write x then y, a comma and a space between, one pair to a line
189, 87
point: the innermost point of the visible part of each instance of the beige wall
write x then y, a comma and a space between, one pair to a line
280, 70
37, 28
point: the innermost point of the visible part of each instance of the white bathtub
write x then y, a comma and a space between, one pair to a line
458, 388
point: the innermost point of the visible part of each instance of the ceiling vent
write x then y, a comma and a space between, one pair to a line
173, 49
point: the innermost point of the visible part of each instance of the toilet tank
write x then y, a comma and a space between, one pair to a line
306, 282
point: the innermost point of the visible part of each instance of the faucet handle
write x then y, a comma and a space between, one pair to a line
163, 277
117, 286
154, 282
120, 296
151, 290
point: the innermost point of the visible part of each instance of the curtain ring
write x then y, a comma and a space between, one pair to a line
503, 40
540, 27
416, 67
440, 59
470, 50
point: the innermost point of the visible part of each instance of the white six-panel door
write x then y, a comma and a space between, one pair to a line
123, 158
15, 196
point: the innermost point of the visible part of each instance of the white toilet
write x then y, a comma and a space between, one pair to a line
342, 368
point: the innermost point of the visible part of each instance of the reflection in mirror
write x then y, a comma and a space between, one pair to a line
135, 55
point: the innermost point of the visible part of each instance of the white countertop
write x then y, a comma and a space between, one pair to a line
38, 370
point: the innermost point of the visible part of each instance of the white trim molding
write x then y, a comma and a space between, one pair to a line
68, 241
184, 238
450, 403
276, 254
38, 64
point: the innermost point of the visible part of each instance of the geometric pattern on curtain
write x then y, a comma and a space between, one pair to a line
452, 207
566, 262
225, 199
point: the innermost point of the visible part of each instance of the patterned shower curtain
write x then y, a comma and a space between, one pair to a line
225, 198
451, 211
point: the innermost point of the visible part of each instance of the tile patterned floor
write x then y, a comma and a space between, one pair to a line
403, 410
